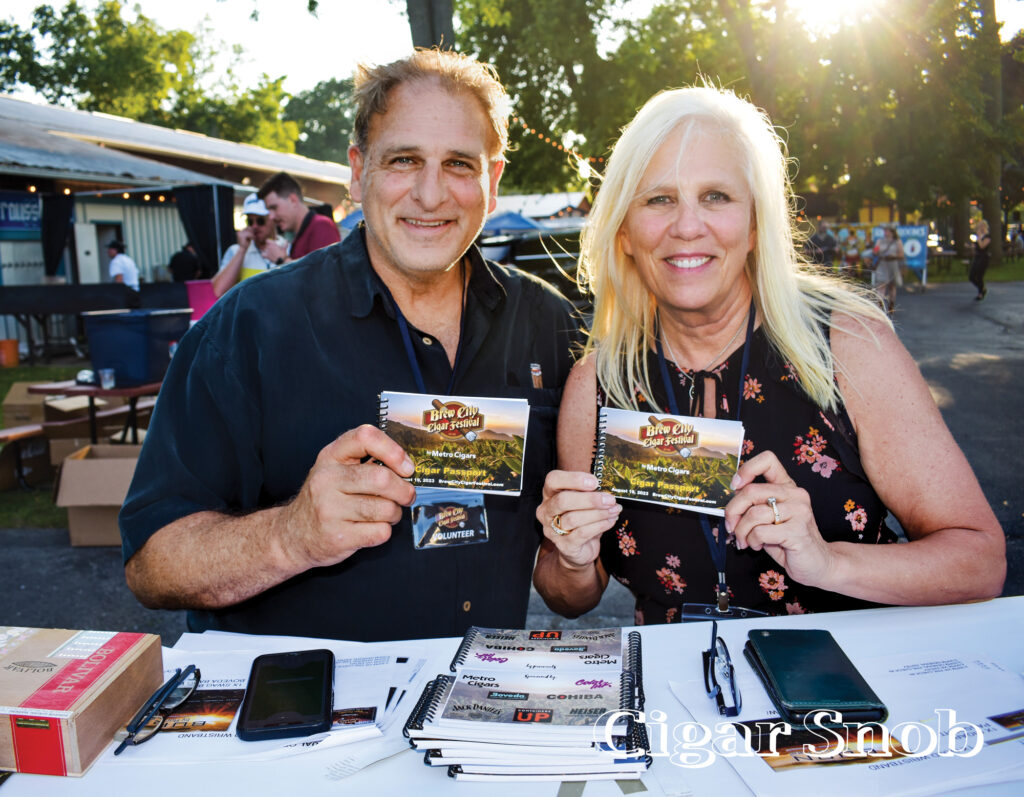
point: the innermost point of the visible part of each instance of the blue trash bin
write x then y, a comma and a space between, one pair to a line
135, 343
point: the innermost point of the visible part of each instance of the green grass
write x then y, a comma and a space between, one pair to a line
32, 508
1007, 271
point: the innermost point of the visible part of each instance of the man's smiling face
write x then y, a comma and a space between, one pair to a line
426, 180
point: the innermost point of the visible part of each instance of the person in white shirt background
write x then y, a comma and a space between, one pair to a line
122, 267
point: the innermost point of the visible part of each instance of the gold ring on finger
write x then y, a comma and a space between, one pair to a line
556, 525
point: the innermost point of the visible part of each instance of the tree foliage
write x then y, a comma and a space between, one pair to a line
546, 52
325, 115
131, 67
911, 104
897, 107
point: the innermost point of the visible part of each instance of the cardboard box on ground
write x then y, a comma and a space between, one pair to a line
65, 424
21, 407
63, 694
92, 485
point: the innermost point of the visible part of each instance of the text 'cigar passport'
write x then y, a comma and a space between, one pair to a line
459, 442
674, 460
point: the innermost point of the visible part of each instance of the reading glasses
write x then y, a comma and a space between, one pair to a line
154, 712
720, 676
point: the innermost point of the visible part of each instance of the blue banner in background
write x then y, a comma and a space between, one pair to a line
915, 245
21, 214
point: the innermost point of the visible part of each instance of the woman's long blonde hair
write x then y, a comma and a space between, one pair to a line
794, 301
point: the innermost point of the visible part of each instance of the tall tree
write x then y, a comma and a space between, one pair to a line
991, 166
430, 22
546, 53
133, 68
107, 63
325, 115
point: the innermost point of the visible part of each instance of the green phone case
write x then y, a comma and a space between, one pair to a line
806, 670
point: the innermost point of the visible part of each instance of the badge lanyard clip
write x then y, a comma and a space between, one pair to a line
716, 547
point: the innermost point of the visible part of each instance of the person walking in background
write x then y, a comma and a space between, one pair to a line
184, 265
851, 253
283, 197
122, 267
821, 247
247, 257
888, 268
979, 264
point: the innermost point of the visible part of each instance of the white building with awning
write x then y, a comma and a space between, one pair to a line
121, 175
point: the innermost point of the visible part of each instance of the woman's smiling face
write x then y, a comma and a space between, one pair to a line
690, 225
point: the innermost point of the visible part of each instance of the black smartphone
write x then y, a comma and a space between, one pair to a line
289, 694
805, 670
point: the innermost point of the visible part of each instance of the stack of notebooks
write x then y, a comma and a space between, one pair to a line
536, 705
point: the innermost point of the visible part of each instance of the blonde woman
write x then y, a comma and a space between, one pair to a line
689, 253
979, 263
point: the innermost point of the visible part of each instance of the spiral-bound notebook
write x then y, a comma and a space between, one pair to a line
530, 706
673, 460
513, 649
459, 442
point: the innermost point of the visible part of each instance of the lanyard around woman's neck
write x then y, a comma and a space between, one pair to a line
716, 547
410, 352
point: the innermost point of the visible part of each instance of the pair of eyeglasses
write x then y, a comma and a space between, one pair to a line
720, 676
154, 712
257, 221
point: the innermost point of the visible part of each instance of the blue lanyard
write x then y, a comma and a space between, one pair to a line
410, 352
715, 547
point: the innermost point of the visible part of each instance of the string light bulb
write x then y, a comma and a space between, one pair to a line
532, 131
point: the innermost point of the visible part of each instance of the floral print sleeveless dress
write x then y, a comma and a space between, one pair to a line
660, 553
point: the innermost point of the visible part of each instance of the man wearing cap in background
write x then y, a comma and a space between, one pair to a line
283, 197
249, 255
122, 267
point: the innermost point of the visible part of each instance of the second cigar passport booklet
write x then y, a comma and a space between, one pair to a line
674, 460
459, 442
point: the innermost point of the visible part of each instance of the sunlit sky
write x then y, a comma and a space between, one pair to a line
288, 41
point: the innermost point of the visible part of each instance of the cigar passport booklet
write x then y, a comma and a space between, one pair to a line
459, 442
673, 460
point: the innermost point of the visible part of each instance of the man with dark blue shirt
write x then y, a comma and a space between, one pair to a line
258, 503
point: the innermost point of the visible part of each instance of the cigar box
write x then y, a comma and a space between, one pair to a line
64, 693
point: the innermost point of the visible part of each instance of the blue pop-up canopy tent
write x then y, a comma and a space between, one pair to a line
352, 219
509, 222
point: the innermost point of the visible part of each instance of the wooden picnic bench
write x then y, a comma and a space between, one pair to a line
109, 421
15, 435
92, 392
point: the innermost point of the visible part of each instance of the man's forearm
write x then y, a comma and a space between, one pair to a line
209, 560
227, 277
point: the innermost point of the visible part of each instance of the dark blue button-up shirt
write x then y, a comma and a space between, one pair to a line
289, 360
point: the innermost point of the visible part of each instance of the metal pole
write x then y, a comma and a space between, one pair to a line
216, 224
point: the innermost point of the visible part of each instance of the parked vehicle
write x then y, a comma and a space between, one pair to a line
550, 254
